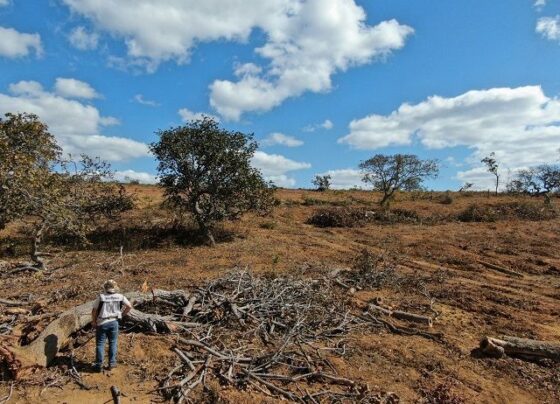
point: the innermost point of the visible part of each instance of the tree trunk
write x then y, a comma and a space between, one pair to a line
497, 183
513, 346
42, 351
386, 200
35, 254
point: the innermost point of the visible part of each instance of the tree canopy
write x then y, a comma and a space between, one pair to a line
390, 173
206, 171
49, 192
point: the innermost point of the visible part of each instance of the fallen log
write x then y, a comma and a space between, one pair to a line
513, 346
13, 303
42, 351
403, 315
501, 269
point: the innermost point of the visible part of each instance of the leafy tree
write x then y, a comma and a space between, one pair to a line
206, 171
540, 180
322, 182
492, 167
389, 174
51, 194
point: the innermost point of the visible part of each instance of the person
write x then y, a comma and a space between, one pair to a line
105, 315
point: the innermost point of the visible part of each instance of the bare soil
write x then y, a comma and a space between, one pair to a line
439, 259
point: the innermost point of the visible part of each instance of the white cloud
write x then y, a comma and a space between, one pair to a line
14, 44
128, 175
521, 125
139, 98
345, 178
549, 27
275, 166
72, 88
281, 139
307, 41
540, 3
4, 3
76, 125
282, 181
81, 39
327, 125
188, 115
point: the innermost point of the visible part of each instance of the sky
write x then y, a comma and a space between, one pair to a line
322, 84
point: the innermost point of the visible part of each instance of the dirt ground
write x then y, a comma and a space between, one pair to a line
442, 259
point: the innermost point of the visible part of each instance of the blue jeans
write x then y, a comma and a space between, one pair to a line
103, 332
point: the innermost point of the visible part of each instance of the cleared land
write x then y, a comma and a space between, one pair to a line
441, 264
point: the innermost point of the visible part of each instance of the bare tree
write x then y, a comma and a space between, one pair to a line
466, 186
492, 167
389, 174
206, 171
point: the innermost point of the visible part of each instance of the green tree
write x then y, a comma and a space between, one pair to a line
492, 167
389, 174
206, 171
48, 193
322, 182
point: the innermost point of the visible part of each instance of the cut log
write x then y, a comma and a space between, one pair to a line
500, 269
403, 315
42, 351
116, 395
513, 346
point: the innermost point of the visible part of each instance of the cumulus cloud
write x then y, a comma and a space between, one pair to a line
281, 139
521, 125
540, 3
307, 42
275, 167
139, 98
345, 178
14, 44
188, 115
549, 27
77, 126
327, 125
72, 88
81, 39
131, 175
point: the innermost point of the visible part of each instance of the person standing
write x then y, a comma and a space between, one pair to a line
105, 315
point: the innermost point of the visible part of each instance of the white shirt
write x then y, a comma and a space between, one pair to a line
112, 307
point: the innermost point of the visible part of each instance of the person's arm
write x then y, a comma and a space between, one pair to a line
127, 306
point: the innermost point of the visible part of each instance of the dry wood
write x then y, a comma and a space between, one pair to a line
116, 394
56, 335
403, 315
13, 303
501, 269
513, 346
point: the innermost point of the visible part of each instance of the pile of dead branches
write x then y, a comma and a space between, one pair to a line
271, 335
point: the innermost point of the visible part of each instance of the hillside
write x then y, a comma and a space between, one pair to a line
443, 268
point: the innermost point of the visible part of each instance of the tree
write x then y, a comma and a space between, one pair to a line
492, 167
322, 182
466, 186
49, 193
540, 180
389, 174
206, 171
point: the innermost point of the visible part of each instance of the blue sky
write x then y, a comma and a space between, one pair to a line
323, 84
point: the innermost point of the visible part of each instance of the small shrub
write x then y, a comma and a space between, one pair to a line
446, 199
511, 210
338, 217
268, 225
